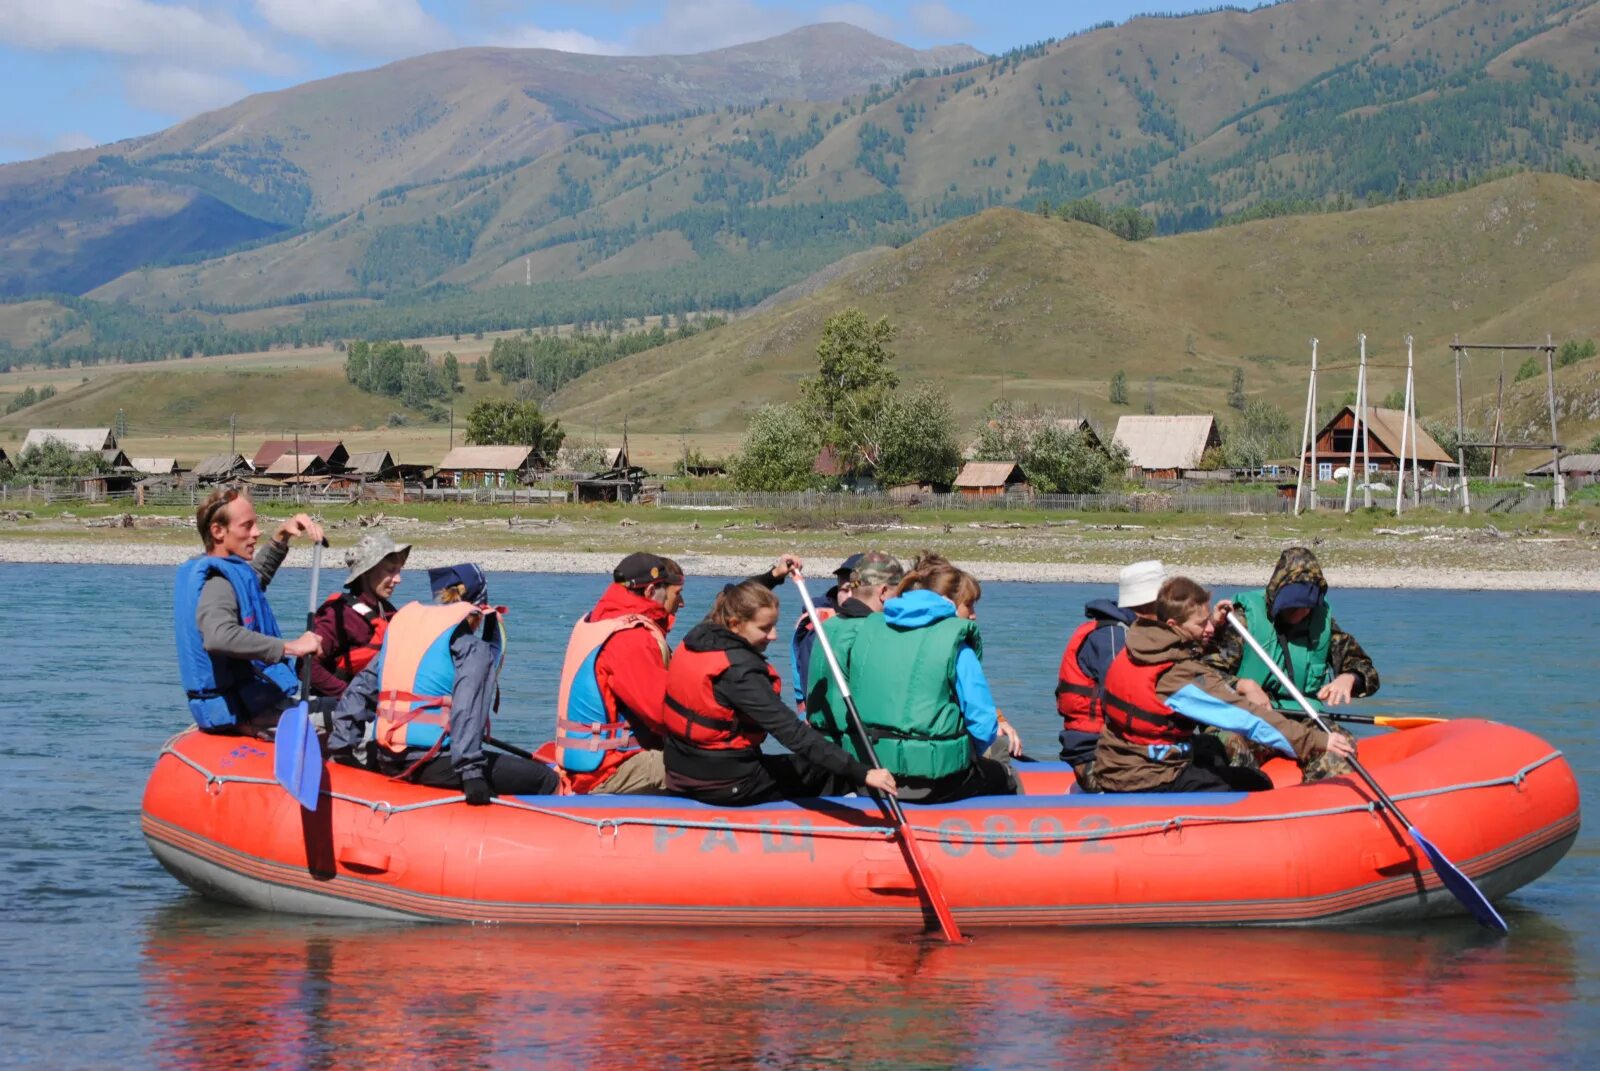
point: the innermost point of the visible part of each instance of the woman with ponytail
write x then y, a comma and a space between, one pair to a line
723, 700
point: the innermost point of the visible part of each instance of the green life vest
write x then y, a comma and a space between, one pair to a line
904, 682
1304, 659
824, 705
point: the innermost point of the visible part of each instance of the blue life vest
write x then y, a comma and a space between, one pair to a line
417, 677
223, 691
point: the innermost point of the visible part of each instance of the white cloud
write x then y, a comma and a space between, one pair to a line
180, 91
71, 140
529, 36
940, 22
135, 28
859, 15
370, 27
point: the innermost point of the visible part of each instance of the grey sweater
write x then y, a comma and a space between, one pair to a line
218, 613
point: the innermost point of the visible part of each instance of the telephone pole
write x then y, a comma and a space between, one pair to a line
233, 436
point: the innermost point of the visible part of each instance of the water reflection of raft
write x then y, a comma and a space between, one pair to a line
1499, 802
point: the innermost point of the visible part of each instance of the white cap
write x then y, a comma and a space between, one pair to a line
1140, 583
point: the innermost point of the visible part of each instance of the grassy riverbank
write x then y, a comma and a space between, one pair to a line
1370, 548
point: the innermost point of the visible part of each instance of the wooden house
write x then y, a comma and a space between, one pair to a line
330, 452
84, 440
1381, 438
1581, 466
485, 466
1162, 447
985, 478
221, 468
155, 466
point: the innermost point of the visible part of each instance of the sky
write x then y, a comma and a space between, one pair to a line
78, 73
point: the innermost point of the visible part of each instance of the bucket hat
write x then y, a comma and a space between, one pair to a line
1140, 583
375, 546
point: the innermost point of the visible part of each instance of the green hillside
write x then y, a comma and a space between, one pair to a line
1045, 310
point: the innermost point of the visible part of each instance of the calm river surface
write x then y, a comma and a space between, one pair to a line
108, 961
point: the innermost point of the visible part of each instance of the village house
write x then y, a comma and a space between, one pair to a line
155, 466
1162, 447
485, 466
1381, 440
329, 454
1580, 467
985, 478
221, 468
84, 440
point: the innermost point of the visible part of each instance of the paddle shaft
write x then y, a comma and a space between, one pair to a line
1388, 721
509, 749
1457, 883
311, 616
908, 839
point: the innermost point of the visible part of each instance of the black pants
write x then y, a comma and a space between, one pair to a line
1078, 748
1206, 774
985, 777
776, 777
507, 775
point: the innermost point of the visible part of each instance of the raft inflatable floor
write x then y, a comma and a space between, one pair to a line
1501, 804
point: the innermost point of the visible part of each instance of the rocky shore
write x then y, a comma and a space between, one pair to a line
133, 551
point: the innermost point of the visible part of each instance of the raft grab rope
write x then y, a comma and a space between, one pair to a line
613, 824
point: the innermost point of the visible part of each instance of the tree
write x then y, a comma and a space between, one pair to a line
480, 373
1572, 351
1236, 395
1066, 462
915, 439
779, 452
1529, 369
854, 381
451, 370
1130, 224
501, 423
1262, 433
56, 458
1119, 388
1444, 433
1005, 432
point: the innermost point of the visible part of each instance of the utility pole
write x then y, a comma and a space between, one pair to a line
1558, 485
233, 435
1461, 431
452, 425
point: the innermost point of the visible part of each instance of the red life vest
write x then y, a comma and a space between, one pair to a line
418, 675
613, 733
692, 713
354, 658
1133, 710
1078, 695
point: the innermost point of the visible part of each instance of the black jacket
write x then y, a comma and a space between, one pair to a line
747, 689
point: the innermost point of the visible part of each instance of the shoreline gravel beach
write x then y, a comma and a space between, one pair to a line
133, 552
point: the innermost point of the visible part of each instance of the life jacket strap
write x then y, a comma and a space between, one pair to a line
1064, 688
620, 735
1161, 719
705, 721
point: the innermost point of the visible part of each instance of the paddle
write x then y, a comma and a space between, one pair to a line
908, 840
1386, 721
1460, 886
297, 753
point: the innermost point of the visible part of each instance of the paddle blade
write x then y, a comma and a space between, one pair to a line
297, 756
1405, 723
1461, 886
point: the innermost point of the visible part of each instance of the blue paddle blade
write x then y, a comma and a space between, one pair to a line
1461, 886
297, 756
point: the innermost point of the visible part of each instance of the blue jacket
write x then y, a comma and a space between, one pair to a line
918, 609
224, 691
1102, 645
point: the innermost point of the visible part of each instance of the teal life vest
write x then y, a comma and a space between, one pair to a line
1303, 658
224, 691
825, 707
904, 683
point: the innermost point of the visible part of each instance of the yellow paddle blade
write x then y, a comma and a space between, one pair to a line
1406, 723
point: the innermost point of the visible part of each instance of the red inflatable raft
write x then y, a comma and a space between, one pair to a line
1499, 802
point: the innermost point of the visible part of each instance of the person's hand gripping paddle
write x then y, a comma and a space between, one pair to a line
926, 882
297, 753
1460, 886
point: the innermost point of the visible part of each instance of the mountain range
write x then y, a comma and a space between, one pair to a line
498, 188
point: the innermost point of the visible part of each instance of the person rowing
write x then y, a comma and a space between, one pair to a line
231, 655
723, 700
1160, 695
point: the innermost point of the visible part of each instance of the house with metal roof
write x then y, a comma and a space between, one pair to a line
155, 466
485, 466
84, 440
1162, 447
330, 452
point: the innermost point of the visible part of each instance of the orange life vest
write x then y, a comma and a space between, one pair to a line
1133, 710
594, 725
692, 712
418, 676
1078, 695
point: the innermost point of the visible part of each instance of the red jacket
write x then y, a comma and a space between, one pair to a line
343, 629
629, 669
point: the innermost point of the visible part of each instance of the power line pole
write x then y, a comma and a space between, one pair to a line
233, 435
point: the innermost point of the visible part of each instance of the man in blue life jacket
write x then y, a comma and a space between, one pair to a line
430, 693
231, 655
804, 639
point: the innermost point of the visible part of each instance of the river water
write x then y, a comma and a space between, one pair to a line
108, 961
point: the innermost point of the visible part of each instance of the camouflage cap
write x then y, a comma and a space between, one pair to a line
877, 567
